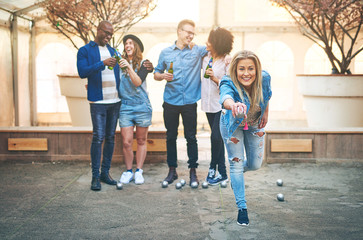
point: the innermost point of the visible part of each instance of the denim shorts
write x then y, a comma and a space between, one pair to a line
135, 115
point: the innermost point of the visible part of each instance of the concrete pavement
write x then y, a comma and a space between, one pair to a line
53, 201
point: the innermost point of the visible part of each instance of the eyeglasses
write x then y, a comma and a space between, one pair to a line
189, 32
107, 32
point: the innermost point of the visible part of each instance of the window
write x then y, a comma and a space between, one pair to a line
316, 61
277, 58
49, 65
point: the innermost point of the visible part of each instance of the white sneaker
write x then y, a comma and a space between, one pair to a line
126, 177
139, 179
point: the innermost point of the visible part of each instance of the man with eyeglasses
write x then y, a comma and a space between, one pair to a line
181, 93
93, 62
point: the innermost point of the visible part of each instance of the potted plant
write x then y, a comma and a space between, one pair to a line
78, 20
333, 100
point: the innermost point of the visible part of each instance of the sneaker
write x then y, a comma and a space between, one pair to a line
211, 174
139, 179
217, 180
126, 177
242, 218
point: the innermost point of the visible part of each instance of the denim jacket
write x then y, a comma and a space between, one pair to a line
89, 66
228, 90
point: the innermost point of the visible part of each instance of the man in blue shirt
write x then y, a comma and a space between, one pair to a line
182, 91
95, 62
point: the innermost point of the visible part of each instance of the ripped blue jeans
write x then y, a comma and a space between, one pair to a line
245, 153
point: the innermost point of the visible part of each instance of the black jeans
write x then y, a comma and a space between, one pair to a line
104, 121
217, 145
171, 121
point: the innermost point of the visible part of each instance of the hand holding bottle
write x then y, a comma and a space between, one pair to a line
209, 66
110, 62
124, 64
169, 75
209, 72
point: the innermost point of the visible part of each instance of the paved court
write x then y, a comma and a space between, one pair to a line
53, 201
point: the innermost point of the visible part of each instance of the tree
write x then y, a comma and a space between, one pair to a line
81, 17
329, 23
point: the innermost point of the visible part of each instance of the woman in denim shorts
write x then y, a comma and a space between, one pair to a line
244, 95
135, 108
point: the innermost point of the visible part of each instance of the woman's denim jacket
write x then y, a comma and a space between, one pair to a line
228, 90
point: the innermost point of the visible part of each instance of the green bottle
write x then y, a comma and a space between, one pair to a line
171, 68
114, 56
208, 66
117, 59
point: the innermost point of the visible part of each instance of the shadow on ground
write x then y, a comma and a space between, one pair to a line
53, 201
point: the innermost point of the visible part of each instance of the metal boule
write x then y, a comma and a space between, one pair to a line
194, 184
119, 186
164, 184
279, 182
224, 184
280, 197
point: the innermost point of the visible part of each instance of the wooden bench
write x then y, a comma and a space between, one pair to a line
312, 145
70, 144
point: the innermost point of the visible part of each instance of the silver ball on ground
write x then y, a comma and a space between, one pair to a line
183, 182
280, 197
279, 182
178, 185
205, 185
119, 186
164, 184
194, 185
224, 184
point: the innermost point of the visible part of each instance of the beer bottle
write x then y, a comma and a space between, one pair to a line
208, 66
117, 59
171, 68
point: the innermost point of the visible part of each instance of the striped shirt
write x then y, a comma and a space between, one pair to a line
109, 90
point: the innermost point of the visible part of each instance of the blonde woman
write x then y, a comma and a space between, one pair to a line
244, 95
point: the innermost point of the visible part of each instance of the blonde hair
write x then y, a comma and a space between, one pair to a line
256, 87
185, 22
